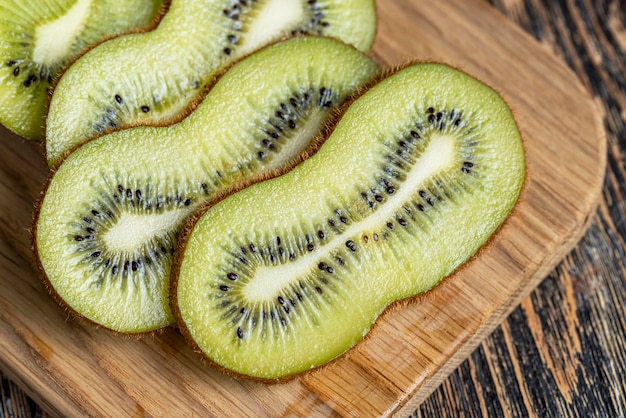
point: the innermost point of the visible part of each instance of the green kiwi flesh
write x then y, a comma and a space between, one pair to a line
289, 273
154, 78
39, 38
108, 223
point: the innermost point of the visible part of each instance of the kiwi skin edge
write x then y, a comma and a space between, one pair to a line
315, 145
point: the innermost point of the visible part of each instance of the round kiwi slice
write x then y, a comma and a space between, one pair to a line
108, 223
289, 273
153, 78
39, 38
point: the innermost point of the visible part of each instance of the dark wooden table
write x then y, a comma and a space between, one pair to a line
562, 352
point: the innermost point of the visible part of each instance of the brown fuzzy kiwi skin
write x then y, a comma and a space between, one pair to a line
391, 308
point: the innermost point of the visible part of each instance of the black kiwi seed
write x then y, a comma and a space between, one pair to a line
119, 99
145, 109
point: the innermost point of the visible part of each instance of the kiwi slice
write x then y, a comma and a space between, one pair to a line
289, 273
109, 220
38, 38
154, 78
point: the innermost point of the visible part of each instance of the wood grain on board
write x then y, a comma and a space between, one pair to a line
72, 368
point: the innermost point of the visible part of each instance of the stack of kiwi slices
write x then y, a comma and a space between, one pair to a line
268, 200
108, 224
39, 38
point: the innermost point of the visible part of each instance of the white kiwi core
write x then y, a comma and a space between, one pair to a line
268, 281
132, 230
277, 16
296, 145
54, 39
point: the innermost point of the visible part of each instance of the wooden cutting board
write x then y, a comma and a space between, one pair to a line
73, 369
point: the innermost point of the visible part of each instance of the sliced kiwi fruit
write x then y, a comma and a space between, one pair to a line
289, 273
108, 223
39, 38
154, 78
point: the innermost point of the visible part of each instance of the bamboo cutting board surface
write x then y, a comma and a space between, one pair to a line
73, 369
